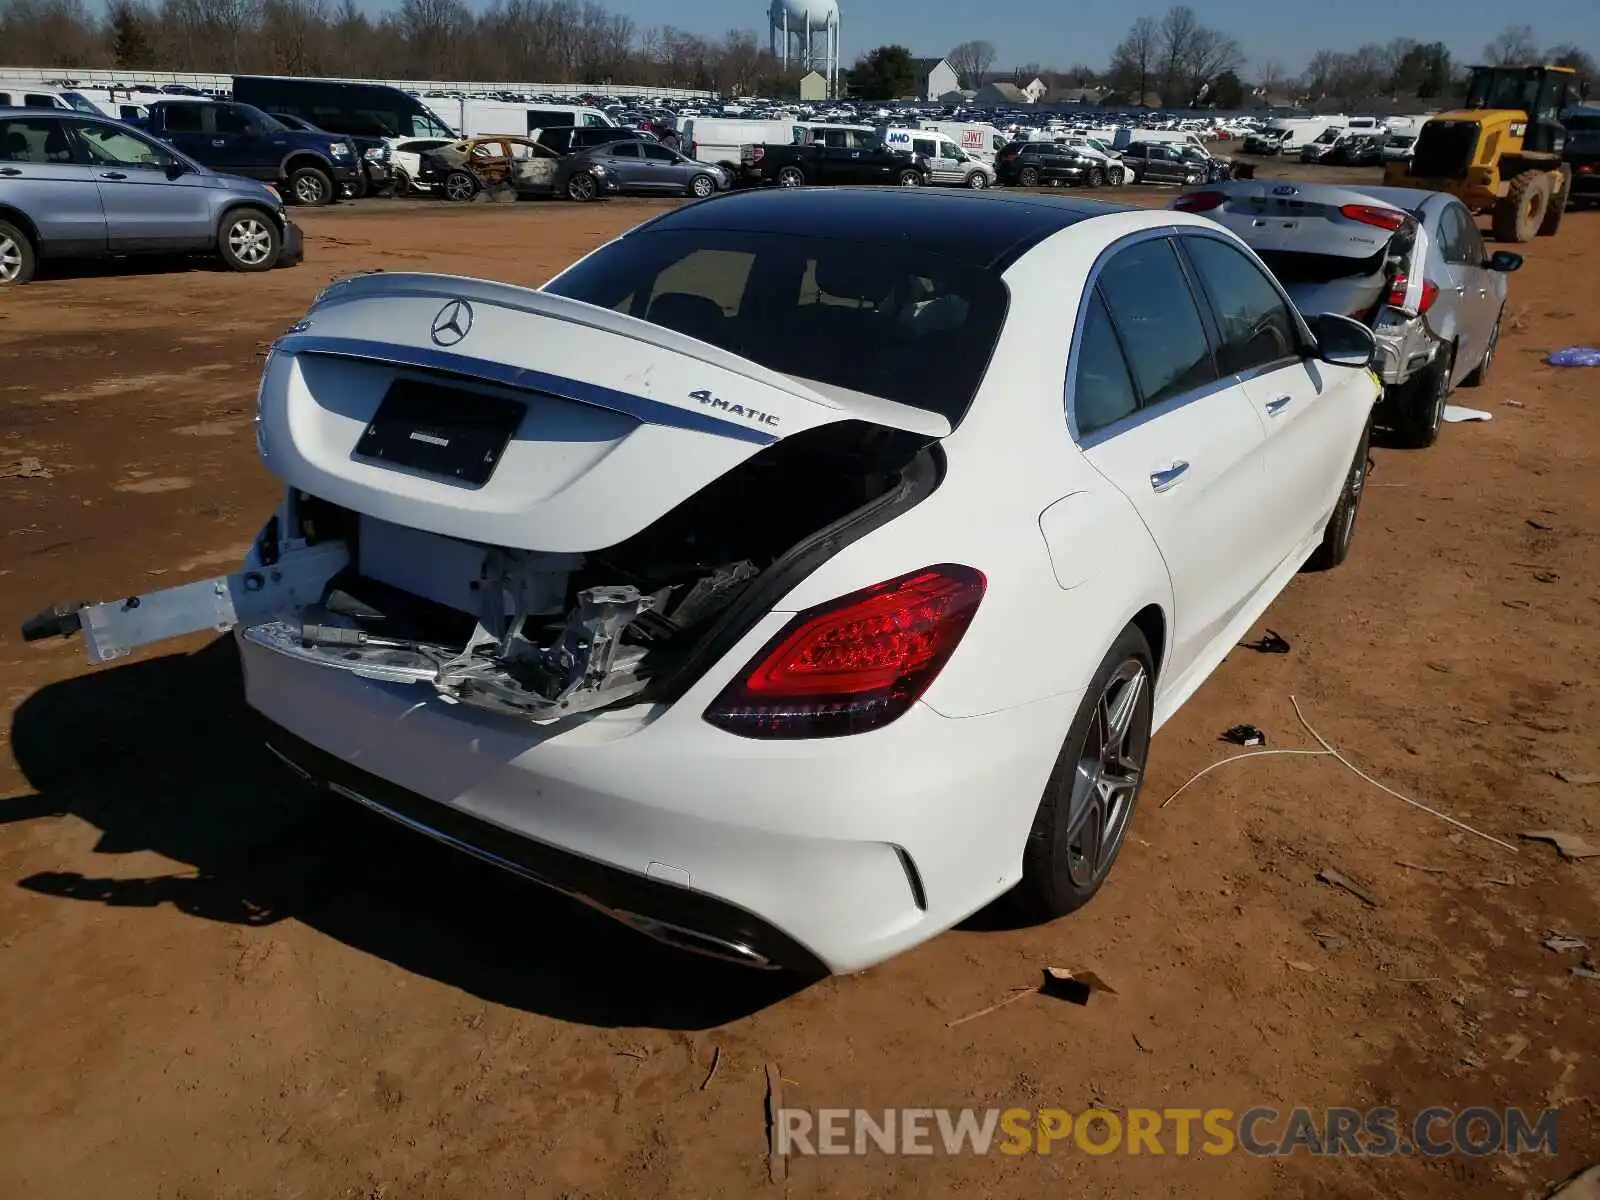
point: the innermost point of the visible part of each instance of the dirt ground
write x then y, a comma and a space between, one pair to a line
213, 984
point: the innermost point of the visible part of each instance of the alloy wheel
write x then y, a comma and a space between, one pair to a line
581, 187
702, 186
1106, 781
10, 258
250, 241
308, 189
459, 186
789, 177
1029, 177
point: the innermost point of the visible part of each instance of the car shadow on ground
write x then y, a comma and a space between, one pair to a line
161, 755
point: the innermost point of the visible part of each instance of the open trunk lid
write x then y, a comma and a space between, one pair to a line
512, 417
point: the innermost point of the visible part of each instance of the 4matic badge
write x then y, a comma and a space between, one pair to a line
733, 410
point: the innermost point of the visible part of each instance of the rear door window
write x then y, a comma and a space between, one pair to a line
182, 118
1256, 327
1157, 320
1102, 388
31, 141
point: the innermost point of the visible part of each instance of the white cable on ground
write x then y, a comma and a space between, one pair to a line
1328, 751
1198, 775
1433, 812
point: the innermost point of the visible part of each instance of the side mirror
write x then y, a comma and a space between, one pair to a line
1342, 341
175, 168
1504, 260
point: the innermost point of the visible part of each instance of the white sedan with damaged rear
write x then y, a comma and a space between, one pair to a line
795, 575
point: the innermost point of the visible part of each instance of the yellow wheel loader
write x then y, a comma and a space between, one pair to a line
1501, 152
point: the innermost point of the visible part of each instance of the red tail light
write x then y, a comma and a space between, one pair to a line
1586, 169
1369, 214
855, 663
1196, 202
1397, 293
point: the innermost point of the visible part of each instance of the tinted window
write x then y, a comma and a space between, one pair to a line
1462, 241
924, 147
1256, 325
904, 325
34, 141
232, 120
1102, 390
182, 118
1155, 314
625, 150
656, 153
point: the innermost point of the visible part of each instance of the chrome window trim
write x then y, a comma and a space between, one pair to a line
1306, 338
1162, 233
1138, 418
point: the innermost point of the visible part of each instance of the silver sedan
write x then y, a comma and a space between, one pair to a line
1410, 264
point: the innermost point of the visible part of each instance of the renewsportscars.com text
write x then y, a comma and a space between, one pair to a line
1374, 1132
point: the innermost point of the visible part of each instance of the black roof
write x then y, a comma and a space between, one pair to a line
983, 229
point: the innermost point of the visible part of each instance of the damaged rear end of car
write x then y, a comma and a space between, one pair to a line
532, 506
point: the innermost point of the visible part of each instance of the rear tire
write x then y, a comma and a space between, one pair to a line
1089, 799
1420, 410
910, 179
791, 177
1341, 527
248, 240
1519, 214
1028, 177
18, 260
1097, 177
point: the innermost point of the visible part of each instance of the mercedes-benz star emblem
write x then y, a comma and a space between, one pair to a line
452, 323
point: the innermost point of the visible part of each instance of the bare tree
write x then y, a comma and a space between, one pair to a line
1133, 62
1271, 78
1179, 30
1513, 46
971, 62
739, 62
1211, 53
1320, 72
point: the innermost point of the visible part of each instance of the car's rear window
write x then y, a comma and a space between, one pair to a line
914, 328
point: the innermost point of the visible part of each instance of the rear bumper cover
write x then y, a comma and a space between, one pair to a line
840, 852
658, 909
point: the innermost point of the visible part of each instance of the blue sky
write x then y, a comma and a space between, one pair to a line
1059, 35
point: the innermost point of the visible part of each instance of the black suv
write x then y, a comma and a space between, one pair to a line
1034, 163
309, 168
565, 139
1156, 162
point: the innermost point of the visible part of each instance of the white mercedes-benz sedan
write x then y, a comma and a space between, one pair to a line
794, 575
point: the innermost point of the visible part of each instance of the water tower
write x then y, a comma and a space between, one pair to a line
796, 26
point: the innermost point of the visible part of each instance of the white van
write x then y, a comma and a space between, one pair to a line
1289, 135
39, 95
717, 140
947, 162
979, 140
481, 118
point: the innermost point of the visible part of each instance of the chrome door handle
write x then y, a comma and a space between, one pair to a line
10, 170
1161, 481
1277, 404
218, 142
112, 175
